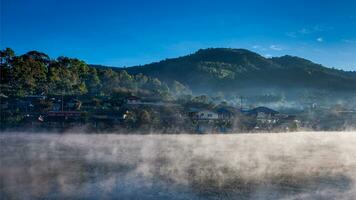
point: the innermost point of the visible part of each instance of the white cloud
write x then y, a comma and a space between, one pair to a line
259, 47
268, 55
308, 30
256, 46
276, 47
320, 39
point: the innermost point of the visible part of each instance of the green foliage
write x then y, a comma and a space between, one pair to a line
144, 117
35, 73
28, 75
6, 57
38, 56
60, 79
238, 70
218, 70
92, 81
202, 101
179, 89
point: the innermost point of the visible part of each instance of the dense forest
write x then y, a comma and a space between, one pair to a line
36, 73
38, 91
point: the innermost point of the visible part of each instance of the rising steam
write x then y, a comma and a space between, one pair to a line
252, 166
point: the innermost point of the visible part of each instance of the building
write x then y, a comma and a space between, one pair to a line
263, 114
197, 114
204, 120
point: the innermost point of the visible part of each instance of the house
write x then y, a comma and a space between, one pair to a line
204, 114
207, 115
259, 118
262, 114
203, 119
264, 118
31, 100
266, 111
192, 112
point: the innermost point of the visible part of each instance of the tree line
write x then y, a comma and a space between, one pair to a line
35, 73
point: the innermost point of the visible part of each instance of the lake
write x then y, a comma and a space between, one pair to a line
303, 165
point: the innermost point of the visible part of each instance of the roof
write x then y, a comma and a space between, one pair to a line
261, 109
208, 111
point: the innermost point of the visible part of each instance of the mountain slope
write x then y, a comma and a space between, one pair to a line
235, 70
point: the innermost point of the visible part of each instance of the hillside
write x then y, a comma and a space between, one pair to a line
238, 70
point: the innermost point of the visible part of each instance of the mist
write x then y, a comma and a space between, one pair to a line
301, 165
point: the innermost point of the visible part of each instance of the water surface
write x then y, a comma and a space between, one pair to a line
242, 166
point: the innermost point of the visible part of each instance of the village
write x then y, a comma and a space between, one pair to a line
134, 114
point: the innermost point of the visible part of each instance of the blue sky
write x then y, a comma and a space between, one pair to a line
126, 33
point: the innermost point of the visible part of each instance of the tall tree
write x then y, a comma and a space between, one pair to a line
68, 76
38, 56
92, 81
28, 75
60, 79
6, 57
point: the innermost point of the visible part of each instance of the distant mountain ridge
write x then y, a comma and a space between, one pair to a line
234, 70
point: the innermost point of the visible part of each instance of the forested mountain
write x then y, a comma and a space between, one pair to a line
35, 73
162, 92
207, 71
237, 70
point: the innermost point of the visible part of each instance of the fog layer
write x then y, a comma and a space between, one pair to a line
251, 166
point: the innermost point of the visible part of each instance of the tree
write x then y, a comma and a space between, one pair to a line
92, 81
60, 79
144, 117
204, 99
28, 75
179, 89
6, 57
68, 76
109, 80
126, 80
38, 56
